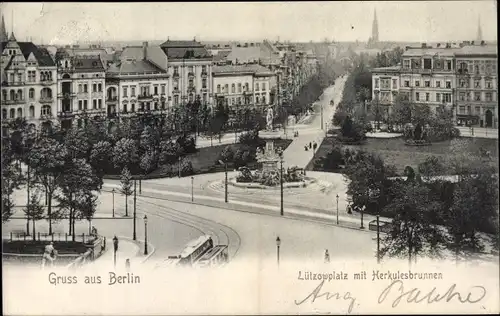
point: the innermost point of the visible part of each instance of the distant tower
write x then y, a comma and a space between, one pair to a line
3, 32
479, 31
374, 37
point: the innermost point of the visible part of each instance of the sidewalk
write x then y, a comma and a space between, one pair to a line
479, 132
127, 249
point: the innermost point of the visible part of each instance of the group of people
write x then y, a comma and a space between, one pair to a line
312, 145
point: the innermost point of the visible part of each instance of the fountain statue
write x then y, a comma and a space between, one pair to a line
269, 119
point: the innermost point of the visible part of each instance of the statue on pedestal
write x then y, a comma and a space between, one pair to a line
269, 118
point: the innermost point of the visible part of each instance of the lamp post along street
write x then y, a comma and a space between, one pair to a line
278, 244
115, 249
378, 239
113, 193
145, 235
179, 167
140, 186
192, 189
362, 226
337, 209
281, 186
225, 181
134, 237
28, 201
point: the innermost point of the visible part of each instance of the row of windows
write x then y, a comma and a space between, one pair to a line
191, 98
143, 90
240, 100
477, 110
440, 97
225, 88
427, 84
83, 88
13, 95
463, 83
190, 69
477, 96
96, 104
46, 110
190, 84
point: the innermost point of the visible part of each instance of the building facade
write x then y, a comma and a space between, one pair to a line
29, 84
461, 78
81, 89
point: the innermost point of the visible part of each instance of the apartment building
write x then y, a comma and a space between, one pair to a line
81, 88
243, 86
461, 78
28, 83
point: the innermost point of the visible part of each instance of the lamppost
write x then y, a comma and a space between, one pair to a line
135, 209
145, 235
278, 243
281, 183
113, 192
225, 182
337, 209
361, 209
192, 189
179, 166
378, 239
115, 248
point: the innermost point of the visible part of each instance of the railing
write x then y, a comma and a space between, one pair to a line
66, 114
144, 97
47, 82
46, 99
46, 116
112, 99
67, 95
15, 84
18, 101
176, 91
88, 239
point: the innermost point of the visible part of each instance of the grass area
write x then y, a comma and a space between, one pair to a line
395, 152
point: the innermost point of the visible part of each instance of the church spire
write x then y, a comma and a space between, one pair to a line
3, 32
479, 31
375, 27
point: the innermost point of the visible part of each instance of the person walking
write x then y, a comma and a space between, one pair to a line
327, 256
127, 264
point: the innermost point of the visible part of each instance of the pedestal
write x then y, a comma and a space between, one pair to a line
269, 166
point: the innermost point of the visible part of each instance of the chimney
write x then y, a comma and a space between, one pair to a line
424, 45
438, 45
483, 43
144, 50
448, 45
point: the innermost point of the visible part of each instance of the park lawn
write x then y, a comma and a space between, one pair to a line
395, 152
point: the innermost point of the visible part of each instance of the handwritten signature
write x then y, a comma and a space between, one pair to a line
328, 295
415, 295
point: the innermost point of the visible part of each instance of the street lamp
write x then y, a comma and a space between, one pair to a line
115, 248
179, 166
378, 239
281, 183
134, 237
278, 243
361, 210
145, 235
337, 209
225, 182
113, 191
192, 189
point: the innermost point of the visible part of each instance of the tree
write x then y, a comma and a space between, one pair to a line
421, 114
401, 111
125, 153
168, 152
412, 231
77, 143
227, 154
147, 140
126, 186
35, 211
48, 161
149, 161
431, 167
100, 157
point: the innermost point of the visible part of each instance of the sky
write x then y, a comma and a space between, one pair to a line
412, 21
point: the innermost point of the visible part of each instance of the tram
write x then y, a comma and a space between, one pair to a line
195, 249
217, 256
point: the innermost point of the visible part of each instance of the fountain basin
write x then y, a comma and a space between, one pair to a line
286, 185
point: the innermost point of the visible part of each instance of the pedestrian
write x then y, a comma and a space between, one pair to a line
327, 256
315, 145
310, 145
305, 148
127, 264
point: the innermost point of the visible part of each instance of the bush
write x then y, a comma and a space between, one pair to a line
332, 161
187, 143
186, 168
245, 175
227, 154
250, 138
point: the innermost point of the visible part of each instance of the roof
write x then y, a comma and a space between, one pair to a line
477, 50
387, 69
191, 246
133, 52
185, 50
221, 55
183, 44
41, 54
134, 67
453, 51
251, 54
88, 63
242, 69
429, 51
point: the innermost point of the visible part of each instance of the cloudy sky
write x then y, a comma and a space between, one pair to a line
421, 21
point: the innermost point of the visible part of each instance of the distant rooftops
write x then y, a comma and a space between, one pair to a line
129, 67
452, 49
185, 50
242, 69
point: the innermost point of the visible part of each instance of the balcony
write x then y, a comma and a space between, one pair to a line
175, 75
46, 100
191, 89
66, 114
47, 82
46, 116
204, 74
112, 99
176, 91
190, 74
204, 89
16, 101
66, 95
145, 97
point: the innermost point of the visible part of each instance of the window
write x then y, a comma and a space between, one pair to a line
233, 88
31, 94
448, 84
156, 106
417, 83
376, 83
176, 84
191, 97
204, 83
449, 64
80, 105
461, 109
191, 69
12, 94
163, 88
4, 114
406, 64
226, 88
176, 70
12, 113
204, 69
489, 96
4, 94
477, 96
218, 88
32, 111
204, 98
94, 87
191, 83
438, 97
256, 87
489, 84
463, 83
263, 86
477, 83
239, 87
19, 78
427, 63
247, 87
125, 91
46, 110
427, 97
447, 97
19, 112
427, 83
394, 83
85, 103
478, 110
132, 107
263, 100
99, 102
257, 99
125, 110
462, 96
85, 90
476, 69
80, 88
132, 91
176, 100
407, 83
155, 89
438, 84
417, 96
99, 87
94, 104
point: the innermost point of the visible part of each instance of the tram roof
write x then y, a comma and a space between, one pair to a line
192, 245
